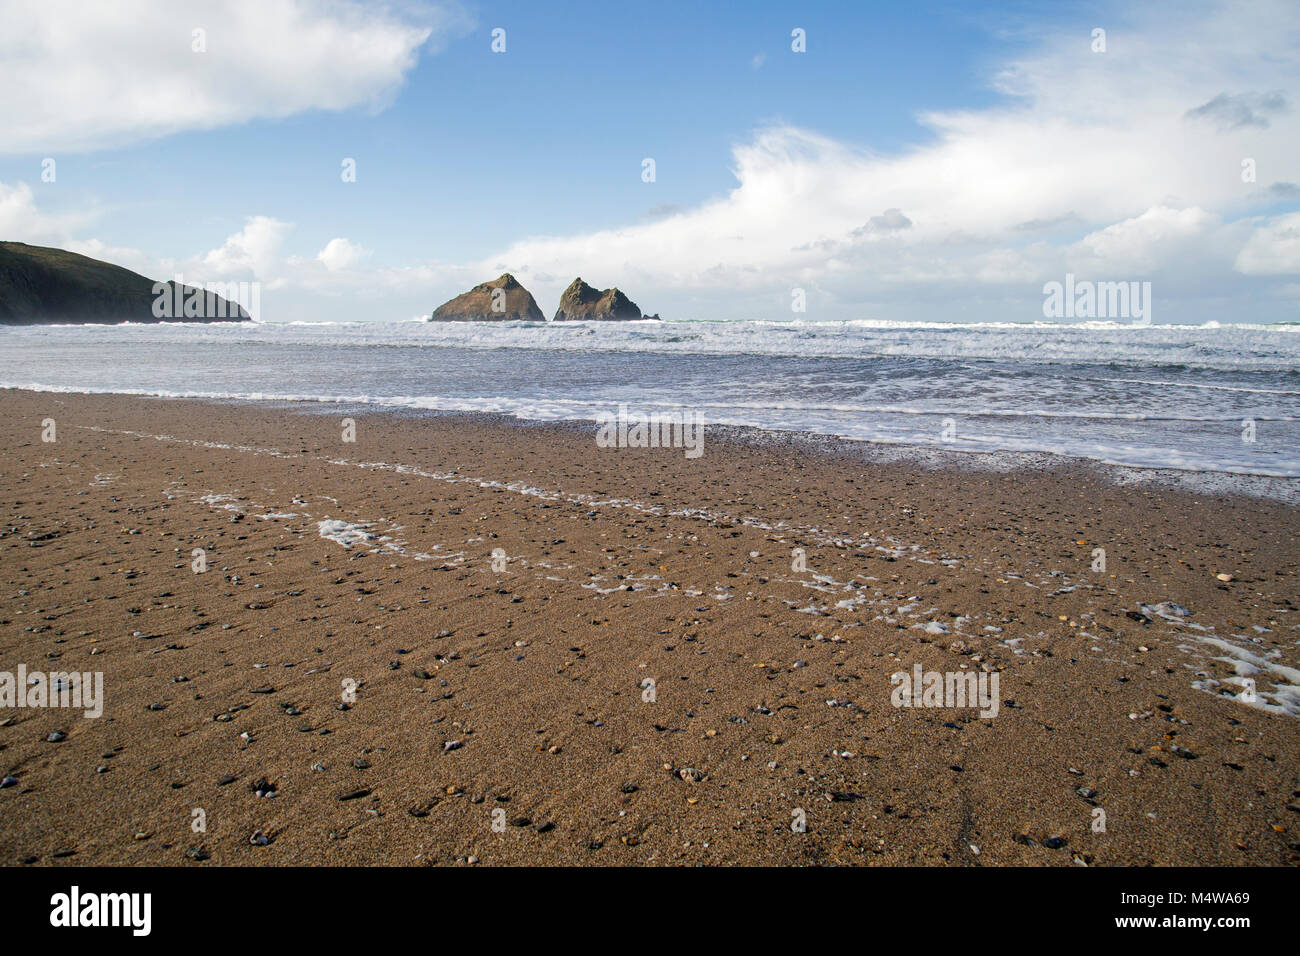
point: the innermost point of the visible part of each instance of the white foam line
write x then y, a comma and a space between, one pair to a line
898, 549
346, 533
1287, 692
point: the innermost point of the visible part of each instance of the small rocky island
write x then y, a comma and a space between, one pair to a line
40, 285
580, 302
504, 299
501, 300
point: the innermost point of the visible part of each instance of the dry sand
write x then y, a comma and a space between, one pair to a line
772, 684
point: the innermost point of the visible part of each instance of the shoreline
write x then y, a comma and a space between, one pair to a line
498, 592
1280, 488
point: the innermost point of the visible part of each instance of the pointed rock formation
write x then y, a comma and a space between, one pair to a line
40, 285
581, 302
501, 300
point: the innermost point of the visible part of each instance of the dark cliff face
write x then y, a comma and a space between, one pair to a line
501, 300
44, 286
580, 302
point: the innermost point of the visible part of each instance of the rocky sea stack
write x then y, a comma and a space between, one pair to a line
580, 302
501, 300
44, 286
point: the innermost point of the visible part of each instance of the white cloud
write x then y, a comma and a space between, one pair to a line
22, 221
1093, 161
1123, 165
80, 76
1273, 249
1245, 109
254, 249
340, 254
1146, 242
329, 284
891, 220
127, 258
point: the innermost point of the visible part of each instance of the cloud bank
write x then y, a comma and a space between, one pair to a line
79, 76
1125, 165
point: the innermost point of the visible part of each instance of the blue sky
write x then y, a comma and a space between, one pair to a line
468, 160
549, 136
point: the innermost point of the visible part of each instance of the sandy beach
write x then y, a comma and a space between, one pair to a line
467, 640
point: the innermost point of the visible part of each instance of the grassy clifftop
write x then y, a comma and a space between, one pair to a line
40, 285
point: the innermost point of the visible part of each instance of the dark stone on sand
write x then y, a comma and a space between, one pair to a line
355, 794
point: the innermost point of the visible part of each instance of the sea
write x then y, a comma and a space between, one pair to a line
1215, 399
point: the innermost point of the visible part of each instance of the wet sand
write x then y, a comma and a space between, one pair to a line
512, 690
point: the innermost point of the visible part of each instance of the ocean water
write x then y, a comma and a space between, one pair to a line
1215, 399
